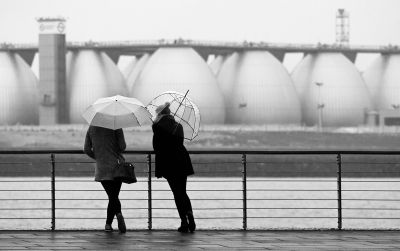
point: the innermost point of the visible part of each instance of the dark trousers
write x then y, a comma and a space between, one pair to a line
182, 201
112, 189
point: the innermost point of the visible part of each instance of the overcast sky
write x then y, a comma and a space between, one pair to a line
291, 21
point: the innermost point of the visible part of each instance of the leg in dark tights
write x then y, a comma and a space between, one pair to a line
182, 201
112, 189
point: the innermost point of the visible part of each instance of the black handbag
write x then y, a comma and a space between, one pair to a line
125, 172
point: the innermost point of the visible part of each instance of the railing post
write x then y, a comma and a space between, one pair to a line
339, 190
149, 191
244, 183
53, 192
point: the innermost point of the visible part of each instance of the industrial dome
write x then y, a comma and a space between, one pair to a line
340, 90
135, 71
128, 67
91, 75
19, 96
181, 69
258, 90
216, 64
383, 81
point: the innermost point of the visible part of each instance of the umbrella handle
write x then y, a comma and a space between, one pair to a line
180, 104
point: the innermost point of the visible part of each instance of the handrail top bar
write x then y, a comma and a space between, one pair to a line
216, 151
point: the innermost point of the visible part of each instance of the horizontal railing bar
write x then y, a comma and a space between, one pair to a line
154, 181
25, 218
91, 162
143, 208
369, 218
325, 208
23, 163
210, 218
368, 172
291, 190
211, 208
211, 199
219, 162
292, 217
222, 152
154, 217
26, 190
23, 199
14, 172
91, 199
292, 180
371, 208
367, 199
138, 190
97, 190
216, 217
224, 172
94, 218
256, 199
139, 180
289, 162
369, 190
373, 163
21, 209
370, 181
19, 181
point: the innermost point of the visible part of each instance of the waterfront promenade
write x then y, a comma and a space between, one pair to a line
200, 240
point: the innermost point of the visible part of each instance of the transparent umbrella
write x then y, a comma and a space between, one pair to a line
117, 112
182, 108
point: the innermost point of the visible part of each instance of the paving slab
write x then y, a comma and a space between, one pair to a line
200, 240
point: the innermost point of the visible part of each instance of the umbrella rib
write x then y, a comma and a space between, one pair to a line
136, 119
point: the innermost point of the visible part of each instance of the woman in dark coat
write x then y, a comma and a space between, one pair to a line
106, 147
173, 163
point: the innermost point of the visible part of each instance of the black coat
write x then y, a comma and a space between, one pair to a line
172, 158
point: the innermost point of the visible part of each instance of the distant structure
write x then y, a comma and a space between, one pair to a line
342, 27
53, 107
245, 84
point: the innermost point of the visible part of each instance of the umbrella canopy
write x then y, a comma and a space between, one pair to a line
117, 112
182, 108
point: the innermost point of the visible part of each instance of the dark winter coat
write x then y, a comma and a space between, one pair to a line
106, 147
172, 158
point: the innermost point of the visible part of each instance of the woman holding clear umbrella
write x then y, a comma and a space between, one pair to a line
173, 162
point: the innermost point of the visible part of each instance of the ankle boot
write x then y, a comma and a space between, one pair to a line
192, 224
184, 228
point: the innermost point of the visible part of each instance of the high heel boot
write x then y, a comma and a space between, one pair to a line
192, 224
184, 228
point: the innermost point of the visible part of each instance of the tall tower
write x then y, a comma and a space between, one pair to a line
342, 27
52, 72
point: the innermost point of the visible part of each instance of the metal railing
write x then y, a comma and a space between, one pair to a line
262, 189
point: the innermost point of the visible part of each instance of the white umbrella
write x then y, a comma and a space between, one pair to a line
117, 112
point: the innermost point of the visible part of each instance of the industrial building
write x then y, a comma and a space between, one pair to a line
246, 83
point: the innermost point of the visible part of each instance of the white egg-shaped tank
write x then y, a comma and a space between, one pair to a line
136, 70
258, 90
182, 69
91, 75
216, 64
383, 80
126, 64
331, 81
19, 95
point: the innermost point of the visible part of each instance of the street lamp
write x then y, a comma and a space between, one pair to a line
320, 105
